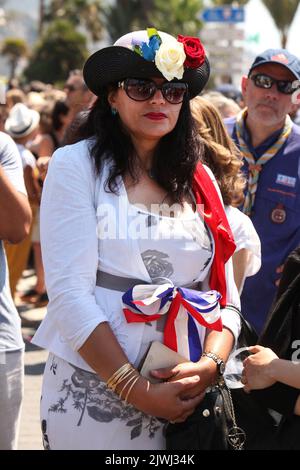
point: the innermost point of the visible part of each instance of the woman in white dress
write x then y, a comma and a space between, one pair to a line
120, 224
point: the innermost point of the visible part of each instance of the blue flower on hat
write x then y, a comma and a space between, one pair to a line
149, 50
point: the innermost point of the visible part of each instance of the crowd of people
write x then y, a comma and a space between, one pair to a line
155, 210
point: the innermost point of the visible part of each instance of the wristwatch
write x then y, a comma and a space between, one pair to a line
218, 360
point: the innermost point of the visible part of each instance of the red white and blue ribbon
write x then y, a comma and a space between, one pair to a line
185, 308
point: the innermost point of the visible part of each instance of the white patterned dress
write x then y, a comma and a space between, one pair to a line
96, 417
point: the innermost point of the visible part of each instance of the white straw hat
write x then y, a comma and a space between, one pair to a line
21, 121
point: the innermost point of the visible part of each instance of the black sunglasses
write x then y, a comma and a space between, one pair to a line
142, 90
265, 81
71, 87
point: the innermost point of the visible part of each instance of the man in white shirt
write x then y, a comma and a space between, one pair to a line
15, 219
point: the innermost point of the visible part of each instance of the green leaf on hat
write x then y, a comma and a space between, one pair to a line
152, 32
137, 49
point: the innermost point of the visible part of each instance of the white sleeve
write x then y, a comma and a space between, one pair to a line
245, 236
11, 162
70, 245
28, 159
230, 319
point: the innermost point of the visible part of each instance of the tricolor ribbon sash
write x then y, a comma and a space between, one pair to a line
214, 216
144, 303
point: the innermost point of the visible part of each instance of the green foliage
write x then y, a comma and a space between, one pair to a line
283, 12
172, 16
177, 16
126, 15
14, 49
87, 13
60, 50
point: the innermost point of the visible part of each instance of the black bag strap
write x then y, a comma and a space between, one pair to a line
248, 336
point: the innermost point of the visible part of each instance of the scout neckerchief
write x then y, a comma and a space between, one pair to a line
256, 166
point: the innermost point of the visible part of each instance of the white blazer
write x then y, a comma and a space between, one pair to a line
75, 245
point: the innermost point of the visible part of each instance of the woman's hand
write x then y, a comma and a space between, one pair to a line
205, 369
256, 373
168, 400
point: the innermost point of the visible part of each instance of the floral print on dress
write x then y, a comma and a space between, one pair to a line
45, 435
92, 398
157, 264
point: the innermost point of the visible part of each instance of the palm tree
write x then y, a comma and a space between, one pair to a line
173, 16
177, 16
41, 15
283, 13
60, 49
87, 13
14, 49
126, 15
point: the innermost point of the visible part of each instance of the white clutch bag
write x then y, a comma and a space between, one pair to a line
159, 356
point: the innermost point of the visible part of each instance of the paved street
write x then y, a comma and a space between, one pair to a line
30, 435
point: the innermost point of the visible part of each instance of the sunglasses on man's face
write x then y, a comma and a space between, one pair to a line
143, 90
70, 87
261, 80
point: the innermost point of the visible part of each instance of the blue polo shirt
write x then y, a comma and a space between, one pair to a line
278, 192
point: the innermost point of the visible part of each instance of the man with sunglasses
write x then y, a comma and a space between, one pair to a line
79, 97
270, 144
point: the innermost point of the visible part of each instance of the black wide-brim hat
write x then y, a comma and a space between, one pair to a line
115, 63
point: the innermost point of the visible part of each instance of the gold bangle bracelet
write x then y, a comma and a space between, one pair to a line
127, 383
113, 385
118, 371
116, 375
131, 387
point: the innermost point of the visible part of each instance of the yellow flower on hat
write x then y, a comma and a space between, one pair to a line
170, 57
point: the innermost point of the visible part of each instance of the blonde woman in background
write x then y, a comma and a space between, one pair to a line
223, 158
227, 107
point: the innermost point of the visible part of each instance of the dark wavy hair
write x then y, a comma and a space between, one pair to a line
174, 160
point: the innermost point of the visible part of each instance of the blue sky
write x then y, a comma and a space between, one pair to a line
31, 7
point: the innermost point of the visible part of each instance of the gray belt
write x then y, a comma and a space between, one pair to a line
122, 284
119, 283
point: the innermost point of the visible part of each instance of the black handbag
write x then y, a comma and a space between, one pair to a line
226, 419
212, 426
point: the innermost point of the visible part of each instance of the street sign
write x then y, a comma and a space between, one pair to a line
220, 34
224, 51
253, 38
227, 68
225, 14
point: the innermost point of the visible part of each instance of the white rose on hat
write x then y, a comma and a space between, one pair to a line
21, 121
169, 58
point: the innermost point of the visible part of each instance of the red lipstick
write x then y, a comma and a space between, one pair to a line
156, 116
